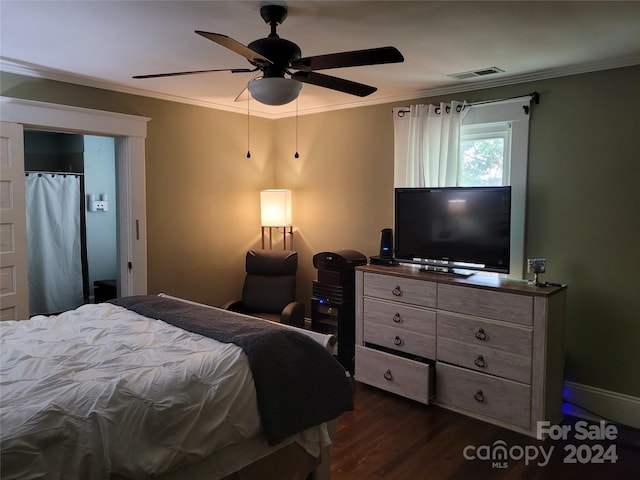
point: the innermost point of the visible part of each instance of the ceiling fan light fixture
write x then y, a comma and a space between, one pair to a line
274, 90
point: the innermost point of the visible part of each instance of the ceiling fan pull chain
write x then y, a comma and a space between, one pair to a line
296, 155
248, 116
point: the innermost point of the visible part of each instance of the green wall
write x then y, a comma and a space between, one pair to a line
584, 216
582, 201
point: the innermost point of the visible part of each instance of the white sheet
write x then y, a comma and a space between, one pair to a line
138, 398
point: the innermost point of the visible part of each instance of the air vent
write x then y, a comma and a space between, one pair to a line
476, 73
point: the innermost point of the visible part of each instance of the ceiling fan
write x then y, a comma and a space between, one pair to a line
277, 58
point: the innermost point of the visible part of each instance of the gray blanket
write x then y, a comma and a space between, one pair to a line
298, 383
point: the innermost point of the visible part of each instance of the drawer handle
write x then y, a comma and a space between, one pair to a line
480, 335
479, 396
480, 362
397, 318
397, 291
398, 341
388, 375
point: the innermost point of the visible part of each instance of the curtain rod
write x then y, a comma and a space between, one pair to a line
535, 96
44, 172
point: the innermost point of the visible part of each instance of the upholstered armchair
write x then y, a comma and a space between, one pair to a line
269, 289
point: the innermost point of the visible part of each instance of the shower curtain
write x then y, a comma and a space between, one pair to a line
53, 242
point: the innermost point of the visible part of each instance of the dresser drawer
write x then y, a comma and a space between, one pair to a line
400, 289
475, 331
401, 316
400, 340
484, 395
509, 307
395, 374
485, 360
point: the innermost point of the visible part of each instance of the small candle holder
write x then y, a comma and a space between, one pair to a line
536, 266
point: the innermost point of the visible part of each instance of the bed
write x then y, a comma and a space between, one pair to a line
159, 387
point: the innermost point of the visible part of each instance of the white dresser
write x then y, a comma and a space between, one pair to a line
483, 346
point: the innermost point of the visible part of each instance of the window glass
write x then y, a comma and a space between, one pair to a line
484, 156
493, 153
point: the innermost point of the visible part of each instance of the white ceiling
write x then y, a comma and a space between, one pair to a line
105, 43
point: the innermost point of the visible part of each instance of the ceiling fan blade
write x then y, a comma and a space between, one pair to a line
334, 83
175, 74
355, 58
235, 46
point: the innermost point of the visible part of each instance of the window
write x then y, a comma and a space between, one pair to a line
486, 145
494, 141
485, 155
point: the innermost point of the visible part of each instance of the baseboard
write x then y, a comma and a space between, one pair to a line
592, 402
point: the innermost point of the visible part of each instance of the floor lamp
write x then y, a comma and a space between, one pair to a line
275, 213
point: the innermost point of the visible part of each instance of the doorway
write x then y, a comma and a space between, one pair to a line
71, 204
129, 132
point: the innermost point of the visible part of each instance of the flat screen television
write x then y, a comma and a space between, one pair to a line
461, 227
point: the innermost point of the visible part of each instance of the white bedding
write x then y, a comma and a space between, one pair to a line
137, 398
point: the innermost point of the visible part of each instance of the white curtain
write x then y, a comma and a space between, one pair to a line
53, 242
426, 145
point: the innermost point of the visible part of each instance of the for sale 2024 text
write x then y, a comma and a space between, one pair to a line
582, 430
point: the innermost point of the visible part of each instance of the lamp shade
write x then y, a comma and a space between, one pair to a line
275, 208
274, 90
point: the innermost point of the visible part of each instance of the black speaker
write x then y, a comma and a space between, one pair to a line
386, 243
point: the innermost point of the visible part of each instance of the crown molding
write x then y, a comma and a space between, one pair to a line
534, 76
20, 68
36, 71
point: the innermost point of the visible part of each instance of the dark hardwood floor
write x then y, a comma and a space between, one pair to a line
390, 437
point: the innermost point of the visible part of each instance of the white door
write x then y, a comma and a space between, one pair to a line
14, 290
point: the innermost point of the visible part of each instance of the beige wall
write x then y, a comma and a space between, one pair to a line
342, 184
203, 201
582, 205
